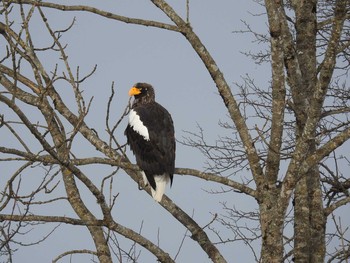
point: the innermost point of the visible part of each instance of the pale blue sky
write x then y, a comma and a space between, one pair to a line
126, 54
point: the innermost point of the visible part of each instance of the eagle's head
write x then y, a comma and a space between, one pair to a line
142, 92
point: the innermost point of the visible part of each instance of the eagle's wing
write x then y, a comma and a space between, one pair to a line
151, 137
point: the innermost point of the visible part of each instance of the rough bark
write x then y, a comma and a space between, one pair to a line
305, 13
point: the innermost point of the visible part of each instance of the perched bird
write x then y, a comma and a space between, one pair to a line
150, 135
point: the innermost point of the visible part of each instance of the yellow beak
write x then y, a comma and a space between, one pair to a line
134, 91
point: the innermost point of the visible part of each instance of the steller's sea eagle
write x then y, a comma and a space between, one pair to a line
150, 135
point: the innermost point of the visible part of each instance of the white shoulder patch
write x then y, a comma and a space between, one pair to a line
137, 125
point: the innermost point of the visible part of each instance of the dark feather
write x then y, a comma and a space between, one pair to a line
155, 156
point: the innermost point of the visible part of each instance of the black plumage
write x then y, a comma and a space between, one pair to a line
150, 135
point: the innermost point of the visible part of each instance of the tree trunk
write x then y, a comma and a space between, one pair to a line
309, 242
302, 222
271, 220
317, 218
309, 238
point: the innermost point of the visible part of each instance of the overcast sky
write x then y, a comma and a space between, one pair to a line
126, 54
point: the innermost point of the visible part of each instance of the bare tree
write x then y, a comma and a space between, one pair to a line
290, 152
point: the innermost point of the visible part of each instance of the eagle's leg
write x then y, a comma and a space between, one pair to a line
143, 182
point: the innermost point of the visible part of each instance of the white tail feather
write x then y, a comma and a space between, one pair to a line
161, 182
